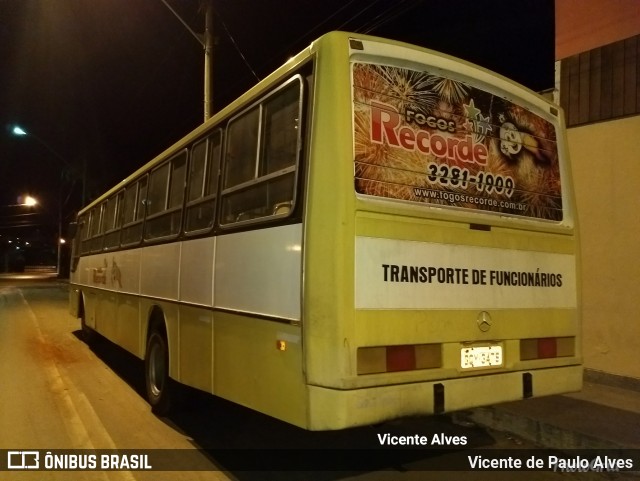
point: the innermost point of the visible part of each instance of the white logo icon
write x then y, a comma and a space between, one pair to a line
23, 460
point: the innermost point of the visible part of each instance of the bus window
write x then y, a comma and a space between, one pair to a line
203, 183
280, 141
259, 182
84, 233
166, 195
157, 196
133, 212
112, 221
97, 228
176, 186
211, 182
242, 146
197, 168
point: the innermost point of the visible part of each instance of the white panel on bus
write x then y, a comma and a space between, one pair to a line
159, 268
259, 271
126, 277
116, 271
397, 274
196, 271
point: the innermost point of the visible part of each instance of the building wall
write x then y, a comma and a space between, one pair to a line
606, 167
607, 183
602, 83
583, 25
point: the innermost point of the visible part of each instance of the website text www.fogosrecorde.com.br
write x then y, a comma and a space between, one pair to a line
456, 197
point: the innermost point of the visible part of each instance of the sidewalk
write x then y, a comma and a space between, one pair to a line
598, 417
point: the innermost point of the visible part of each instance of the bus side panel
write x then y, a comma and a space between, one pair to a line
74, 300
159, 267
106, 315
90, 299
159, 280
117, 277
196, 347
258, 365
196, 271
128, 321
124, 277
262, 271
196, 319
329, 223
257, 350
107, 284
82, 297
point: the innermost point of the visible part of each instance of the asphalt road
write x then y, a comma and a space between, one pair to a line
57, 393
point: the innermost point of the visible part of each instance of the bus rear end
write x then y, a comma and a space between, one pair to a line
440, 239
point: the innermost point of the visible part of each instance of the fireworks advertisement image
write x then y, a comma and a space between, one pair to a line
421, 137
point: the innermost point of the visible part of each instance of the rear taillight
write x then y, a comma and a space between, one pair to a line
547, 348
378, 359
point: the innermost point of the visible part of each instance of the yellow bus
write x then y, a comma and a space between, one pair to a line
375, 230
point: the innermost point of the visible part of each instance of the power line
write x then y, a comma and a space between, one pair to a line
381, 18
384, 17
233, 41
326, 20
307, 35
358, 14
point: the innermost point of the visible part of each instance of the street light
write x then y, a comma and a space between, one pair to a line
29, 201
24, 201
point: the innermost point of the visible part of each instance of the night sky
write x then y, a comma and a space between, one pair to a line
111, 83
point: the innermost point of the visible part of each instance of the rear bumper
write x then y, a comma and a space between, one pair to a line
339, 409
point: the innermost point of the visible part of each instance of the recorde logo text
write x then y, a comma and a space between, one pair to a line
386, 127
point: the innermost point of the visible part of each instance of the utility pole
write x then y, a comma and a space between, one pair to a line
206, 41
208, 60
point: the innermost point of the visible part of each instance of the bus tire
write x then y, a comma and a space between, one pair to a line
158, 383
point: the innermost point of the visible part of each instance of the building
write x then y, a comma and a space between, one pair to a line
598, 78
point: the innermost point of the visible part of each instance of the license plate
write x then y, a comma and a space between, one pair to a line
474, 357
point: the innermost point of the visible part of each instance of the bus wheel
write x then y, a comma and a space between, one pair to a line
157, 373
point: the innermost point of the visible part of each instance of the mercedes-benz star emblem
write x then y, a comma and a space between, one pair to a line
484, 321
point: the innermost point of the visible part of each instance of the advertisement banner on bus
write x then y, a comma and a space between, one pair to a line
422, 137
